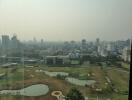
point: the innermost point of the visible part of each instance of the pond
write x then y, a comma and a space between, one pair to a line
76, 81
54, 74
33, 90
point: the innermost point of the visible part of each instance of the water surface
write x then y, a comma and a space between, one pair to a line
33, 90
76, 81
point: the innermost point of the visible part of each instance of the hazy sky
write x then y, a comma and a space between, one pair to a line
66, 19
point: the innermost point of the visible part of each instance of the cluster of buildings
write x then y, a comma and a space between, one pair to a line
117, 48
61, 53
8, 45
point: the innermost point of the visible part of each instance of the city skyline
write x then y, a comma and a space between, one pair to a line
65, 20
34, 39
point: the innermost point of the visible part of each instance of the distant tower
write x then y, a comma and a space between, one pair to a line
34, 40
97, 45
72, 44
97, 41
0, 42
5, 41
42, 43
126, 54
109, 48
66, 46
128, 43
14, 42
84, 45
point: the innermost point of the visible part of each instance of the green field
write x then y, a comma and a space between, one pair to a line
15, 80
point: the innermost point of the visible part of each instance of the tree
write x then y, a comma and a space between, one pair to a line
74, 94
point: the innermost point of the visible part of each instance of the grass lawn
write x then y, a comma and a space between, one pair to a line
96, 73
126, 66
119, 79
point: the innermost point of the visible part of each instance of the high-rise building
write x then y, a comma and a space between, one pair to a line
0, 42
97, 46
126, 54
14, 42
101, 50
84, 45
5, 41
72, 44
97, 41
66, 45
84, 42
0, 45
34, 40
42, 43
109, 48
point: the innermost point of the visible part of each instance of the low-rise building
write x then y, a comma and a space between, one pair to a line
61, 60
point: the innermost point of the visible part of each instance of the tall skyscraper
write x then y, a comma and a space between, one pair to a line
34, 40
5, 41
126, 54
14, 41
84, 45
41, 43
0, 42
0, 47
97, 41
97, 46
